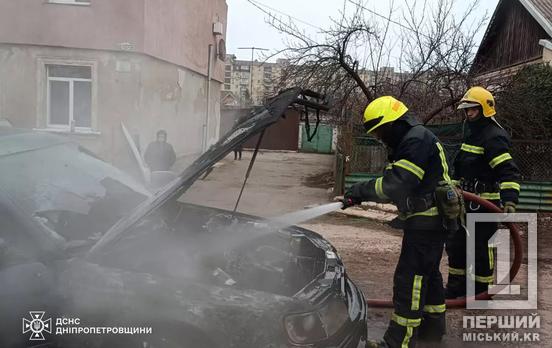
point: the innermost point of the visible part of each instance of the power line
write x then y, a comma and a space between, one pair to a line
387, 18
263, 8
260, 6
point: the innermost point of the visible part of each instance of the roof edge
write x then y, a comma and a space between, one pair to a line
546, 43
539, 17
486, 34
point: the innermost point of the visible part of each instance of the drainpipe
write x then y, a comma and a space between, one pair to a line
208, 108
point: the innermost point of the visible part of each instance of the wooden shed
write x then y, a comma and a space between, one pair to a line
519, 33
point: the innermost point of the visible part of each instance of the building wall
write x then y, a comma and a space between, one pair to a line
495, 78
145, 93
102, 25
547, 55
179, 31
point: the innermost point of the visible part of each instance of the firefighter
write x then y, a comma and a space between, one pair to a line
486, 168
418, 165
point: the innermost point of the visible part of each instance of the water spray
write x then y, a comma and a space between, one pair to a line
308, 214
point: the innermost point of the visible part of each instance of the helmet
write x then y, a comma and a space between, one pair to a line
382, 110
479, 96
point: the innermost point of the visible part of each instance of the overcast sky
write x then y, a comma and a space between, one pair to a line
247, 24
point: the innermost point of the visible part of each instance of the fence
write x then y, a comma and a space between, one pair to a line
534, 159
367, 156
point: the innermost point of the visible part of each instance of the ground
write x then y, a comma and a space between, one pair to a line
286, 182
280, 182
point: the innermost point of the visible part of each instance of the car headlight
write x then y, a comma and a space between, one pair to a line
312, 327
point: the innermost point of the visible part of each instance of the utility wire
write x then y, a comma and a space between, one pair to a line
388, 18
263, 8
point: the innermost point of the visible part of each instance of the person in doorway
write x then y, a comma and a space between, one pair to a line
485, 167
160, 154
418, 166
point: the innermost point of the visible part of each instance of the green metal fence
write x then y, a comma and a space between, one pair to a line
536, 196
320, 143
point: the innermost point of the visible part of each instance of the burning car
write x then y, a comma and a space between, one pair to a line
96, 255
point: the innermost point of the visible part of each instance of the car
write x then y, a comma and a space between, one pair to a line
91, 258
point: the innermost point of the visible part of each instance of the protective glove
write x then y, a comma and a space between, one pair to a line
509, 207
350, 199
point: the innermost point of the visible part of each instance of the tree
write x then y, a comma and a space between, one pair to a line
349, 60
524, 103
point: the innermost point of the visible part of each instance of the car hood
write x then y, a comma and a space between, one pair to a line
224, 312
260, 119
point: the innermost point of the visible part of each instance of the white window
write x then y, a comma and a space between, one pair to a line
69, 97
71, 2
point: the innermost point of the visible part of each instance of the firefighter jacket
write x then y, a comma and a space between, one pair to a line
417, 164
485, 163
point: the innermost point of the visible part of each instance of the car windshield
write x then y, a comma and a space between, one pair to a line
68, 190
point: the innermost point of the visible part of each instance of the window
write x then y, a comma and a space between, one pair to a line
71, 2
69, 96
226, 87
228, 67
227, 80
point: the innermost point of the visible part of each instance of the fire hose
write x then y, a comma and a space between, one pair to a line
518, 256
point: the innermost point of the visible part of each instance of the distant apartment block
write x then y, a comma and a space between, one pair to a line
237, 80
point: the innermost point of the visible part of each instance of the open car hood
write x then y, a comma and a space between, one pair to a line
260, 119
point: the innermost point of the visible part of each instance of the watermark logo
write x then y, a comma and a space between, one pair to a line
37, 325
505, 328
501, 241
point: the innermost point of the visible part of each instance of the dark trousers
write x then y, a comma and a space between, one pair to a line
418, 293
237, 152
484, 260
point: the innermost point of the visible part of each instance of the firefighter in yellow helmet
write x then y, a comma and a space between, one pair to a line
418, 165
487, 169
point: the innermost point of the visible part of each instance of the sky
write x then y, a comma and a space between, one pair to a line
247, 25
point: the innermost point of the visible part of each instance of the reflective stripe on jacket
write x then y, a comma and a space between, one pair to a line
485, 156
417, 164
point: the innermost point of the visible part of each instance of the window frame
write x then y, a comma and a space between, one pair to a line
71, 81
43, 113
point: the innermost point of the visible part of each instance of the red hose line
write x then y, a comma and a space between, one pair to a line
518, 256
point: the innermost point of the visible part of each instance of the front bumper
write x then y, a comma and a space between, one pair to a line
354, 333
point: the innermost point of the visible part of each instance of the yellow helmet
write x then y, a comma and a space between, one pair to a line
479, 96
382, 110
